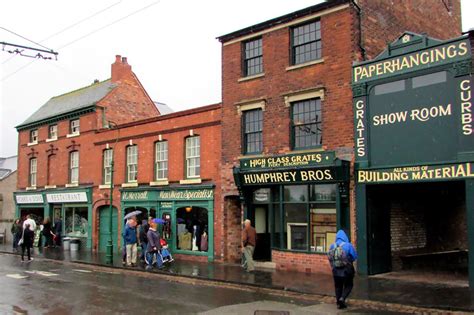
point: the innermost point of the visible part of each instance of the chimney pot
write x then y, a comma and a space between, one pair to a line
124, 60
117, 58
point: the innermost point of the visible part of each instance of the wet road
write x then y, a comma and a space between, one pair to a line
49, 287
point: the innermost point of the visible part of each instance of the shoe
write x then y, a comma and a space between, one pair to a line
170, 260
30, 260
341, 304
134, 265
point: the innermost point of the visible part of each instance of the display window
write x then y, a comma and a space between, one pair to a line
192, 229
76, 223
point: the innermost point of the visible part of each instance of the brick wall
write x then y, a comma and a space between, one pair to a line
407, 226
383, 21
309, 263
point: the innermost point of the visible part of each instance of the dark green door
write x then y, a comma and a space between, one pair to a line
104, 217
378, 229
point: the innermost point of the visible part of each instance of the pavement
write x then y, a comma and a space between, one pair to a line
382, 293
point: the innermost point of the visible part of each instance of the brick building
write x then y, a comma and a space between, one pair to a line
8, 178
165, 165
287, 123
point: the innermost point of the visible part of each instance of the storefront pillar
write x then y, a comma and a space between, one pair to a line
470, 228
361, 217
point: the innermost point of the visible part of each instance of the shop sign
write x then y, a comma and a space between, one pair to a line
187, 194
166, 205
135, 195
288, 176
32, 198
434, 56
416, 173
261, 195
289, 160
67, 197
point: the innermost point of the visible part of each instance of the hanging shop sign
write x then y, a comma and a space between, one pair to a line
417, 173
289, 160
30, 198
67, 197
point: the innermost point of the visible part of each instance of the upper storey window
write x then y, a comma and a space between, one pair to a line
253, 57
34, 136
74, 127
306, 43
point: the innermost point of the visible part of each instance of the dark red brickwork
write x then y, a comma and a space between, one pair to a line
347, 31
301, 262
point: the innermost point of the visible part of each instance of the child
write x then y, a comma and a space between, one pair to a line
165, 253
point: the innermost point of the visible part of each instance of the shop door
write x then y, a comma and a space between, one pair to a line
166, 228
263, 246
104, 217
379, 249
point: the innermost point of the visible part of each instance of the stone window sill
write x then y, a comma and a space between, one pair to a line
190, 181
31, 188
72, 135
49, 186
163, 182
128, 185
104, 186
306, 64
32, 143
51, 140
72, 185
252, 77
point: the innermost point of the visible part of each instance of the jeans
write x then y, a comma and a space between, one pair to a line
131, 254
343, 287
142, 254
16, 238
154, 257
248, 253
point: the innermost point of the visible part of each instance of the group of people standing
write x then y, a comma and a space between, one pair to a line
26, 232
153, 248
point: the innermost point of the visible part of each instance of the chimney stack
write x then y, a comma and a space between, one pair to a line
120, 69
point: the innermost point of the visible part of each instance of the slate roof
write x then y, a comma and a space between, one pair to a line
71, 101
163, 108
8, 165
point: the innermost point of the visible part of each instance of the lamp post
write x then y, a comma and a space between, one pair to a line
109, 256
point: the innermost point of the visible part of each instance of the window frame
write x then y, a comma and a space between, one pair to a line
72, 126
158, 161
34, 135
196, 158
319, 122
293, 47
73, 169
245, 133
32, 178
129, 165
245, 60
107, 169
50, 137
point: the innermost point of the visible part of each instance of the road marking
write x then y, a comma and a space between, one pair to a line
42, 273
16, 276
82, 270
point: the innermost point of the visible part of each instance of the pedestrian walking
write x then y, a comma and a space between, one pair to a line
26, 242
48, 234
142, 236
58, 230
249, 238
153, 246
341, 256
130, 239
16, 232
30, 222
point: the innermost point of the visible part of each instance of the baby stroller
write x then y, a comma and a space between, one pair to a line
165, 253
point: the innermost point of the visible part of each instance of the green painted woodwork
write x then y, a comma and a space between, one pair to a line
470, 228
104, 231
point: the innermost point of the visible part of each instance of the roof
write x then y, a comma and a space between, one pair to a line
163, 108
282, 19
8, 165
71, 101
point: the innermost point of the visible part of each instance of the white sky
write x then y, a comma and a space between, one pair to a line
171, 45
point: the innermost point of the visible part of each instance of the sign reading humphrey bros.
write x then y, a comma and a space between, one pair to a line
430, 57
426, 117
289, 160
325, 174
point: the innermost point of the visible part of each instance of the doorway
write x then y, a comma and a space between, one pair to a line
262, 227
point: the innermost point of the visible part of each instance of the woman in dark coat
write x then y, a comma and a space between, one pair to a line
28, 238
16, 230
47, 233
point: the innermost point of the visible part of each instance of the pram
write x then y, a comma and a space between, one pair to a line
165, 253
160, 256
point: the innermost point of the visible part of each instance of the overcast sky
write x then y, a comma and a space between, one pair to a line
171, 45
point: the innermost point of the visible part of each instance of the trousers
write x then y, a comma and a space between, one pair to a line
343, 286
248, 253
131, 254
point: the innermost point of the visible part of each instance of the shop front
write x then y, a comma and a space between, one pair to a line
72, 207
414, 158
296, 203
187, 214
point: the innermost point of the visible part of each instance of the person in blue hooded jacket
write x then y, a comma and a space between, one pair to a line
342, 264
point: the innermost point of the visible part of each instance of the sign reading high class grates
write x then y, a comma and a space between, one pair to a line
289, 160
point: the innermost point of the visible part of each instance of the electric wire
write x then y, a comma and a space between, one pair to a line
25, 38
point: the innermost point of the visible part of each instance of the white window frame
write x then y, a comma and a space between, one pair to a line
74, 167
193, 157
33, 171
34, 136
53, 135
74, 127
106, 166
132, 163
161, 160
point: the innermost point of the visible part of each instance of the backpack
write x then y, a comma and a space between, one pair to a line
338, 256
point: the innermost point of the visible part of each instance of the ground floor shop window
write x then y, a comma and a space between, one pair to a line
192, 229
76, 223
304, 217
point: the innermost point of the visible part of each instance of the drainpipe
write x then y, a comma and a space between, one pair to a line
359, 15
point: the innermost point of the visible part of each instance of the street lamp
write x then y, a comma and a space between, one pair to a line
109, 256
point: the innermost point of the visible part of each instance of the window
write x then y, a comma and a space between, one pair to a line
429, 79
306, 42
74, 127
304, 217
192, 229
132, 163
74, 167
53, 132
34, 136
161, 160
76, 223
33, 170
306, 124
193, 157
253, 126
390, 87
107, 165
253, 57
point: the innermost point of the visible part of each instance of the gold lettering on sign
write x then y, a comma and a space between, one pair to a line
418, 114
360, 128
466, 104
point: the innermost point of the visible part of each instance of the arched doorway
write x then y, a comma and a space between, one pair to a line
104, 227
